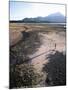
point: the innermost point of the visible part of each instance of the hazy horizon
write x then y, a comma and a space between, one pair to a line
20, 10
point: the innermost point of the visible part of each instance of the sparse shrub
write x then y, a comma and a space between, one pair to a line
24, 76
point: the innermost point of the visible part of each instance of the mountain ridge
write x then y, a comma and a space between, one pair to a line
52, 18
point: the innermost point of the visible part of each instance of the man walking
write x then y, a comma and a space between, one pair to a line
55, 45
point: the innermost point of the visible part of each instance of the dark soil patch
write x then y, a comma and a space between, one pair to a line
56, 69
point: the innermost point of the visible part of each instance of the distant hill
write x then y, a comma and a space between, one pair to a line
56, 17
52, 18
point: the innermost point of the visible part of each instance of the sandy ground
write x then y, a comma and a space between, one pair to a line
48, 47
51, 42
54, 40
14, 36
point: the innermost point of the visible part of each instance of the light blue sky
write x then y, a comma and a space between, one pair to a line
20, 10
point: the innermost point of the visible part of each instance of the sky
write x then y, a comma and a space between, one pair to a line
20, 10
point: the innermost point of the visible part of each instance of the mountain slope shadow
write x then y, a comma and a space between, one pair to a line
56, 69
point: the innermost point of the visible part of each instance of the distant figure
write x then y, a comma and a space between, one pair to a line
55, 45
